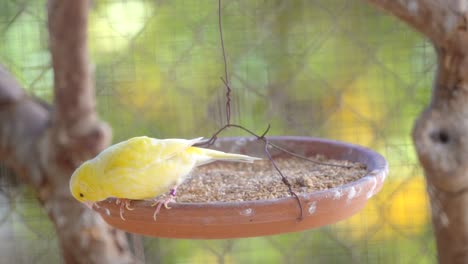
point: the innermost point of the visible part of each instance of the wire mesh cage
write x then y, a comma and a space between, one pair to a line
334, 69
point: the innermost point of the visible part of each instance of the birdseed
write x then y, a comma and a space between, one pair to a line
230, 181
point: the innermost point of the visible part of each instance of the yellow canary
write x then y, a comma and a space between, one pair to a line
142, 168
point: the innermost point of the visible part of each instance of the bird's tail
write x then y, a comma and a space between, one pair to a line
210, 155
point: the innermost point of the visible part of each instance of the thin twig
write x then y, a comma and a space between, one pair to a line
226, 76
261, 137
267, 152
284, 179
305, 158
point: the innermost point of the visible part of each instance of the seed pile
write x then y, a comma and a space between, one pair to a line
229, 182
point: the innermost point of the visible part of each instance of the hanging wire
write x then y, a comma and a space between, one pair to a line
261, 137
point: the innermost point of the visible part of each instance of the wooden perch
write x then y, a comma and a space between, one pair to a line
441, 132
44, 147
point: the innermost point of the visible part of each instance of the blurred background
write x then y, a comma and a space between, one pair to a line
337, 69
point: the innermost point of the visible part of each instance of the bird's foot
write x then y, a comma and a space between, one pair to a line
124, 204
160, 202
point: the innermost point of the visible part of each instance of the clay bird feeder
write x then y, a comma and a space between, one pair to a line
235, 219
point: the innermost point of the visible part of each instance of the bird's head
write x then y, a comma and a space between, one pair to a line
84, 184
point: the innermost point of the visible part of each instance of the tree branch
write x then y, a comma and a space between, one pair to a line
76, 125
438, 20
441, 132
44, 147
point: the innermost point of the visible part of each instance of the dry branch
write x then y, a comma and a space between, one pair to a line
436, 19
441, 132
45, 146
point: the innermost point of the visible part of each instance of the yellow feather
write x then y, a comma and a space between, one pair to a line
142, 168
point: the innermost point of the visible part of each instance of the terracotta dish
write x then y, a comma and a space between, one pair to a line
264, 217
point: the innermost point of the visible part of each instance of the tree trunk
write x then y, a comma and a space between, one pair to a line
441, 132
45, 144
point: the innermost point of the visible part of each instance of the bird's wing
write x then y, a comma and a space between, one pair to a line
143, 167
140, 152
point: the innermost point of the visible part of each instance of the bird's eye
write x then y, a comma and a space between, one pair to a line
81, 195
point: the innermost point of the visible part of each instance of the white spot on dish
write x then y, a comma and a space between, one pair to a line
108, 212
385, 173
312, 207
371, 191
351, 194
337, 194
247, 212
358, 190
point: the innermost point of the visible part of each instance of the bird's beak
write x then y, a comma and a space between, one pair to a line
89, 204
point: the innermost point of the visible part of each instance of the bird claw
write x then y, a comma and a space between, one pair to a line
127, 206
160, 203
121, 215
167, 201
124, 204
